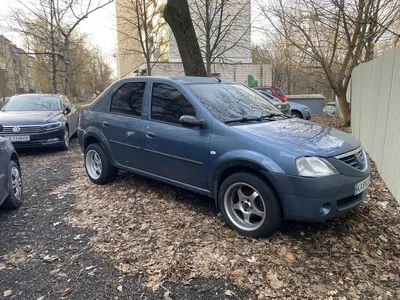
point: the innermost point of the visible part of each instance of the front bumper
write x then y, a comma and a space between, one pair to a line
53, 138
317, 199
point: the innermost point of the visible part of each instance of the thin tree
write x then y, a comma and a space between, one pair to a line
223, 27
141, 31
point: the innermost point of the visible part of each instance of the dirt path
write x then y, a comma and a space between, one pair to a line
43, 257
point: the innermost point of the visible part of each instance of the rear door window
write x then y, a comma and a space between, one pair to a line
128, 99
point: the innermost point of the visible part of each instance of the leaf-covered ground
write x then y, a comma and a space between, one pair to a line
75, 240
165, 234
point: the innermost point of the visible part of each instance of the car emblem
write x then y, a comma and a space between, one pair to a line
16, 129
360, 157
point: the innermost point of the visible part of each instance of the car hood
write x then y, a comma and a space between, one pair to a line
304, 137
11, 118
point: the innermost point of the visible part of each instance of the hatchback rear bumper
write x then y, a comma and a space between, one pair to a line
317, 199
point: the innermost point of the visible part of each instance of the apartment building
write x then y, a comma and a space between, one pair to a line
15, 70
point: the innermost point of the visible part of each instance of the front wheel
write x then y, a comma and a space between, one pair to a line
65, 145
296, 114
97, 165
15, 191
249, 205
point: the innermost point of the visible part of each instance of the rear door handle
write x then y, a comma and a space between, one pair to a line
150, 134
105, 124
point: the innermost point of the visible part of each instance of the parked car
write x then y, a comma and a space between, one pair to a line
330, 109
11, 191
222, 139
283, 106
292, 108
277, 92
300, 111
37, 120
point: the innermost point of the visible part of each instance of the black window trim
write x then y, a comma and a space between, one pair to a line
164, 122
143, 101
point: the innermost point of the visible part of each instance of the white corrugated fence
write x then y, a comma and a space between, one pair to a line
375, 114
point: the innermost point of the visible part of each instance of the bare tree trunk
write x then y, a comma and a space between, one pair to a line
148, 63
177, 15
344, 106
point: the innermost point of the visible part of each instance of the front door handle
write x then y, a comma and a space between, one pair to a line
105, 124
150, 134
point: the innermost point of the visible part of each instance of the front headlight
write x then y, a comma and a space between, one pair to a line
51, 126
314, 167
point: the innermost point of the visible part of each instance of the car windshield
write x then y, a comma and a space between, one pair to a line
233, 101
32, 103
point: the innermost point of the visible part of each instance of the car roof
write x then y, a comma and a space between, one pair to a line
186, 79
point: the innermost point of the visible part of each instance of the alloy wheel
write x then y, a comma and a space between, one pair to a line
244, 206
93, 164
16, 182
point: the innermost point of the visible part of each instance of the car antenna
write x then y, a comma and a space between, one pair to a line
219, 79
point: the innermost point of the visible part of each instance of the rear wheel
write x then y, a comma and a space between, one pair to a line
97, 165
15, 192
249, 205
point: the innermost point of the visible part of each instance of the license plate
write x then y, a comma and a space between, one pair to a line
362, 186
18, 138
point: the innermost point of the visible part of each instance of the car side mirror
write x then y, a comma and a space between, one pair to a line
67, 110
1, 127
190, 121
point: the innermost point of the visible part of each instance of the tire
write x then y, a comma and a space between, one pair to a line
97, 166
15, 192
263, 209
66, 139
296, 114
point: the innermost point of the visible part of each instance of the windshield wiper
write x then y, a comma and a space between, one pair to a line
242, 120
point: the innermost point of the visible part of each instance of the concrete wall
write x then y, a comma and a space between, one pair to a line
375, 111
236, 72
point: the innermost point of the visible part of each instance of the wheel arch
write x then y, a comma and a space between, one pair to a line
243, 166
92, 137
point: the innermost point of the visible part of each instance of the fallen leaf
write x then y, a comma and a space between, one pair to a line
228, 292
383, 238
67, 291
7, 293
232, 234
119, 288
289, 256
238, 272
274, 281
50, 258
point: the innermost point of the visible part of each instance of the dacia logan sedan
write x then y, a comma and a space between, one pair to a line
222, 139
